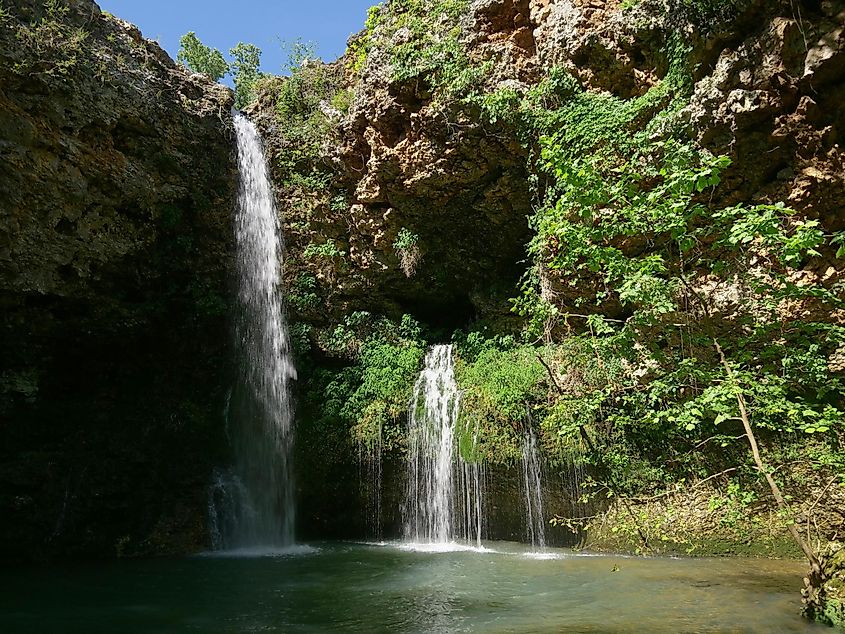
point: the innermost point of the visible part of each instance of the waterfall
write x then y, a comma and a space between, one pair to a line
444, 498
533, 487
470, 504
251, 504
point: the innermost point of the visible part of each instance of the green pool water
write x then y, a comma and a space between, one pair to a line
395, 588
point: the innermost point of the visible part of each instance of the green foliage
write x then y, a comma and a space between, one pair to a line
838, 240
501, 384
710, 14
326, 251
303, 296
405, 240
342, 100
406, 246
300, 337
769, 226
706, 15
244, 69
346, 339
388, 373
425, 45
209, 61
370, 396
299, 54
200, 58
304, 119
625, 215
359, 47
734, 504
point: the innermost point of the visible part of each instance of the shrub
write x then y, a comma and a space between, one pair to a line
407, 248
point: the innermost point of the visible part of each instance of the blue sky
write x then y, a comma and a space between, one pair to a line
327, 23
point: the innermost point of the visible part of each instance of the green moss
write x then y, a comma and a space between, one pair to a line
501, 384
828, 605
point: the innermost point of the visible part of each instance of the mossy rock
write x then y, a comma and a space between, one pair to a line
827, 604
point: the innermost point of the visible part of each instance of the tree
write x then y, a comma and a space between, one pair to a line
244, 69
201, 58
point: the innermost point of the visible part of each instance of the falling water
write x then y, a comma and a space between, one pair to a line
370, 481
533, 488
573, 483
252, 504
445, 493
469, 518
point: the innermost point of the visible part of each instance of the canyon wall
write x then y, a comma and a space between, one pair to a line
117, 185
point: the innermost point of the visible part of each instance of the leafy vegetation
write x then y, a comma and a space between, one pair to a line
244, 68
368, 396
201, 58
502, 383
407, 248
245, 73
359, 48
425, 45
300, 106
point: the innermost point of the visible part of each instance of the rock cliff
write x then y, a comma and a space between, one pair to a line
767, 78
117, 184
413, 167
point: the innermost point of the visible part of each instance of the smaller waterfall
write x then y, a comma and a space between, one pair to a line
444, 499
533, 487
573, 483
370, 480
470, 518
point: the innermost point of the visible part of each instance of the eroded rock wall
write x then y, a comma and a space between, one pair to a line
767, 81
117, 184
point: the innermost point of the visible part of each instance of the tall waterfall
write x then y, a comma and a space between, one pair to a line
533, 488
444, 499
252, 504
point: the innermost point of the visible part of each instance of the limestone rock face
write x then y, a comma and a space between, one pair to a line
117, 183
766, 87
767, 91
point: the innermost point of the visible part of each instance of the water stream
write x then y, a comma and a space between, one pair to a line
444, 500
370, 472
251, 504
532, 485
